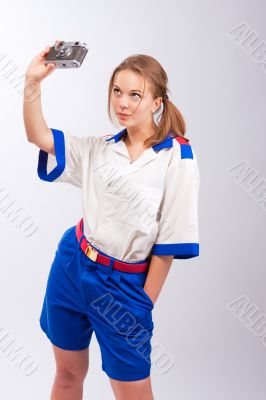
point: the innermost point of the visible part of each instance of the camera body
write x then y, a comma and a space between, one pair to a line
67, 54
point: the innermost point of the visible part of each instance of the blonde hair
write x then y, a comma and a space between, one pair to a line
172, 121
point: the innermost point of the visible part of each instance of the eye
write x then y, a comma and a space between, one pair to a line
134, 93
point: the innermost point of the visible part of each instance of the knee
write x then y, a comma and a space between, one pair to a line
140, 389
69, 378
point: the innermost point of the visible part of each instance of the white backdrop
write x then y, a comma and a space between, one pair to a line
218, 80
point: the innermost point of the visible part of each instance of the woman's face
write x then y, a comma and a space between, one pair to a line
127, 97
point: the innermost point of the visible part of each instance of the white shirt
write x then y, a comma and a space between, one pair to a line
130, 210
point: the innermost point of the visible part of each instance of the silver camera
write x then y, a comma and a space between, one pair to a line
67, 54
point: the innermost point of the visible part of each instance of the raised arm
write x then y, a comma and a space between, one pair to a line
36, 128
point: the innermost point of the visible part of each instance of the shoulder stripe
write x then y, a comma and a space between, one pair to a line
107, 138
185, 147
181, 140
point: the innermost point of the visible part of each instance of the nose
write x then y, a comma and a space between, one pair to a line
123, 103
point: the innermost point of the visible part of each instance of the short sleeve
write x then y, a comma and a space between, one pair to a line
66, 164
178, 224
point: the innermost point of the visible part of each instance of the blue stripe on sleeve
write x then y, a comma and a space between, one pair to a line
59, 146
178, 250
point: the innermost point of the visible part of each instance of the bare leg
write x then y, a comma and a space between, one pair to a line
132, 390
71, 370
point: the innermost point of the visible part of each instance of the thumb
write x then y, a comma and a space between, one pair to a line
51, 66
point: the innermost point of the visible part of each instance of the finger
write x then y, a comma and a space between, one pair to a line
51, 66
45, 51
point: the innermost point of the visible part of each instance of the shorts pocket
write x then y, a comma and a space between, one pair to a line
147, 297
67, 246
131, 286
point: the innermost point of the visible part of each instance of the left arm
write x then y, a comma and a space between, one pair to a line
158, 271
178, 226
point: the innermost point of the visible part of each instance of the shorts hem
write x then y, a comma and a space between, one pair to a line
124, 379
62, 346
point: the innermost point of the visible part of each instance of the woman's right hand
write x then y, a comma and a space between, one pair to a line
37, 70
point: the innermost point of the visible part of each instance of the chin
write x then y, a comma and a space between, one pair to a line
125, 123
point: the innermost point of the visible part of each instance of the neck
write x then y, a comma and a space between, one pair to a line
136, 135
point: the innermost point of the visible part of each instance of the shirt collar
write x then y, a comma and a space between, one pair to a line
168, 142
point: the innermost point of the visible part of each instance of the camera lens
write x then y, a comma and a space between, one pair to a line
63, 49
59, 45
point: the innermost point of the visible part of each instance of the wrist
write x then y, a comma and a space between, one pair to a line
32, 89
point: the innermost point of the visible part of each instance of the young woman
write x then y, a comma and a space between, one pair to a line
140, 211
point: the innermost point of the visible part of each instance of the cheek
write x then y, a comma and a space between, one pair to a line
140, 109
113, 100
142, 113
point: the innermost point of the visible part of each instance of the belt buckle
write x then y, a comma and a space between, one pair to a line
91, 253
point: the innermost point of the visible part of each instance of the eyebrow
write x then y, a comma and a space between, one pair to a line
133, 90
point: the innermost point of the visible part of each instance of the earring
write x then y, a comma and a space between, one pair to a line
157, 115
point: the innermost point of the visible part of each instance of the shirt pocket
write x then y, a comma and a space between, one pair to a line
150, 199
134, 204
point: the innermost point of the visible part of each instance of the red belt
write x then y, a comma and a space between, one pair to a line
95, 256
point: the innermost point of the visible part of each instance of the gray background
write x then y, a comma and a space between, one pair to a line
220, 89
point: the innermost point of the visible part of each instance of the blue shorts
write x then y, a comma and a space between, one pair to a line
83, 296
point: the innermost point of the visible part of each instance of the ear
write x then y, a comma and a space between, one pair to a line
157, 104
